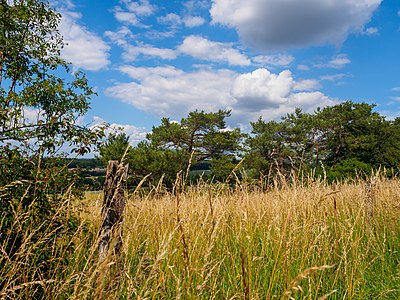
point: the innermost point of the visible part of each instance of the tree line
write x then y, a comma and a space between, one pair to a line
346, 140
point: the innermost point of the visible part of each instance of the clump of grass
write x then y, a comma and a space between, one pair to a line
299, 241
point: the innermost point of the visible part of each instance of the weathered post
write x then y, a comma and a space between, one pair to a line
110, 234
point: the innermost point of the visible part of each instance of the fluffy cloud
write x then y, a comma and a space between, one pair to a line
175, 20
135, 134
126, 17
307, 85
168, 91
131, 52
124, 37
261, 93
140, 8
170, 19
84, 49
277, 24
121, 36
204, 49
193, 21
131, 12
195, 46
260, 88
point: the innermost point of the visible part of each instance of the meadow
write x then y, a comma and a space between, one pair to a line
305, 240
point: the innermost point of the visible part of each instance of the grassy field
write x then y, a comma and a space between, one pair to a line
311, 241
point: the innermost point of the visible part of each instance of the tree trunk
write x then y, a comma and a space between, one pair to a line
110, 234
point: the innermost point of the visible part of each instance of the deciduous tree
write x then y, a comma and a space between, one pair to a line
41, 102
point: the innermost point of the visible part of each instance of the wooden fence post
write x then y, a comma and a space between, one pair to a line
110, 234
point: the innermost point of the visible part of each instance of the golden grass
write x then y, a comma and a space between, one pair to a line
212, 242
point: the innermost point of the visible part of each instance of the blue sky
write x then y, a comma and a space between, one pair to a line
150, 59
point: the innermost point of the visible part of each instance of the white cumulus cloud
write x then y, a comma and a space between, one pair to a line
193, 21
202, 48
84, 48
135, 134
170, 19
262, 93
121, 37
307, 85
169, 91
261, 88
141, 7
132, 12
175, 20
132, 52
283, 24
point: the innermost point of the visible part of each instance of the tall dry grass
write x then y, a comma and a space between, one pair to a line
298, 241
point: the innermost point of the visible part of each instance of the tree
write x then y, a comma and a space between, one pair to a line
38, 107
349, 130
147, 160
344, 137
281, 146
114, 148
199, 137
40, 103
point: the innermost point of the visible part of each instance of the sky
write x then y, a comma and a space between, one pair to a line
149, 59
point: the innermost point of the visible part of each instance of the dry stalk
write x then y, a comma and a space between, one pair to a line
370, 191
211, 211
245, 274
179, 223
295, 283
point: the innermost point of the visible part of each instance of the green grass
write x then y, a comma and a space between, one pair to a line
296, 242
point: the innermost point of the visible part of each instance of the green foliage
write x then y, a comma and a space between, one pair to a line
114, 147
148, 160
40, 103
349, 130
84, 163
346, 138
38, 106
201, 137
348, 168
222, 167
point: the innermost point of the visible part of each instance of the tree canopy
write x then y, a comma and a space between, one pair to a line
173, 146
114, 147
41, 102
347, 136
